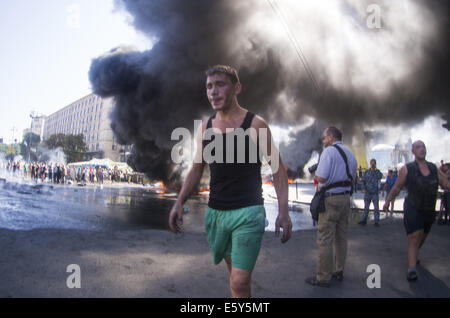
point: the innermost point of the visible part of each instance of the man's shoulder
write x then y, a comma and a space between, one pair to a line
327, 152
349, 154
432, 165
259, 122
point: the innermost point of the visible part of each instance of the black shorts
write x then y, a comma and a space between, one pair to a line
418, 220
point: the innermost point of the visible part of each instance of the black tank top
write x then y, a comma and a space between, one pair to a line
235, 185
422, 190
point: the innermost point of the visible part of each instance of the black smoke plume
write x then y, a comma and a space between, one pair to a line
161, 89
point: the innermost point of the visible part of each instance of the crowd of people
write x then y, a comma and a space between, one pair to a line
58, 173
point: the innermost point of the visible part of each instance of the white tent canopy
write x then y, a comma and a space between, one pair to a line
107, 163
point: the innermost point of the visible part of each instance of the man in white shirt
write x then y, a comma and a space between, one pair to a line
333, 223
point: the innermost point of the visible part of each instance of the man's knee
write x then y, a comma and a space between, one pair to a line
416, 237
240, 280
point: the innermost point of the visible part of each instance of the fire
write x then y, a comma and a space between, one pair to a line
269, 183
291, 181
161, 187
160, 184
202, 190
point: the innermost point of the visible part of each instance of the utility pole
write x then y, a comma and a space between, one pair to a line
14, 129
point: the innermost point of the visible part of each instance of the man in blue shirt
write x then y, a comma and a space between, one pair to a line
333, 223
371, 180
390, 181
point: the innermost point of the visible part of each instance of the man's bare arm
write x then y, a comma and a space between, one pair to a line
280, 180
443, 180
398, 186
321, 180
190, 184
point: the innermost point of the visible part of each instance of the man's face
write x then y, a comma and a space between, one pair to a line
220, 91
373, 164
327, 139
419, 150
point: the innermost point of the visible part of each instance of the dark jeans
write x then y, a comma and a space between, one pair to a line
368, 198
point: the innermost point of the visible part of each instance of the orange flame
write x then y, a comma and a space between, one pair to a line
162, 187
202, 190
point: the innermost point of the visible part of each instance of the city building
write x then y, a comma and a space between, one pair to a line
88, 116
37, 125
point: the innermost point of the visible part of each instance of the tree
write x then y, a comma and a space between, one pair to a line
55, 141
10, 151
29, 145
73, 146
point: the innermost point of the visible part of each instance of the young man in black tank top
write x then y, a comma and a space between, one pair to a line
235, 220
421, 179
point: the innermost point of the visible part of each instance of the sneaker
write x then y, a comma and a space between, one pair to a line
313, 281
339, 276
412, 276
362, 223
377, 225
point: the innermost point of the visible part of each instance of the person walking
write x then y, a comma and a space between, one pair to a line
235, 217
337, 172
390, 181
421, 179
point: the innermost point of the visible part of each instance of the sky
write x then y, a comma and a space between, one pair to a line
47, 47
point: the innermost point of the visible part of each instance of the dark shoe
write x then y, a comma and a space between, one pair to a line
362, 223
339, 276
412, 276
313, 281
377, 225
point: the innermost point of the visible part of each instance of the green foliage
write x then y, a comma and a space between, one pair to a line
73, 146
10, 151
29, 145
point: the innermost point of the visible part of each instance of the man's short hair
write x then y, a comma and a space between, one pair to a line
373, 160
336, 133
417, 141
224, 69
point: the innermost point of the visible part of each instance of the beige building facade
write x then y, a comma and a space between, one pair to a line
37, 126
89, 116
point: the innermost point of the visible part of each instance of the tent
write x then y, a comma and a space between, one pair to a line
105, 163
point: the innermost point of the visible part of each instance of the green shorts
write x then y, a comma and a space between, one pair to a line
236, 234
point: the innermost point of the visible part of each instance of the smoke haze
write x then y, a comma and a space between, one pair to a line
392, 75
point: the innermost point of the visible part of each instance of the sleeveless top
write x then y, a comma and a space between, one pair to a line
422, 190
235, 185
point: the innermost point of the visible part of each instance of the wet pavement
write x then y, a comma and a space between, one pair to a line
118, 236
25, 205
